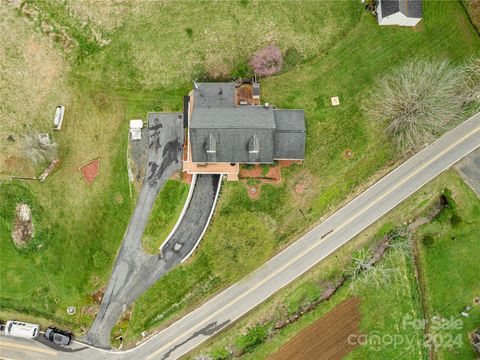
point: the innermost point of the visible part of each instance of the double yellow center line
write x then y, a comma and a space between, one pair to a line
313, 246
27, 348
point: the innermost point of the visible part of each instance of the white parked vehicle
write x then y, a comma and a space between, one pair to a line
21, 329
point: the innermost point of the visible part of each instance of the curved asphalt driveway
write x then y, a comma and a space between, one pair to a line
199, 325
134, 271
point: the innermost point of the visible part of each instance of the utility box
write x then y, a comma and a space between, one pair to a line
136, 127
256, 91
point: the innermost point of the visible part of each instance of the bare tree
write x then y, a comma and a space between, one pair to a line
419, 101
37, 148
471, 82
365, 272
366, 267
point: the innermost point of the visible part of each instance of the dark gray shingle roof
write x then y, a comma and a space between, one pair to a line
214, 95
290, 134
232, 145
236, 117
289, 146
222, 132
409, 8
289, 120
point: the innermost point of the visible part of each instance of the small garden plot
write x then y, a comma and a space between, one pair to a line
328, 336
90, 170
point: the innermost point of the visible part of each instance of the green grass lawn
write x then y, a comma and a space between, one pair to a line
349, 69
125, 61
165, 212
452, 270
147, 65
384, 309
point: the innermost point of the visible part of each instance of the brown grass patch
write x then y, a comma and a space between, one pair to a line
33, 82
14, 165
303, 185
327, 338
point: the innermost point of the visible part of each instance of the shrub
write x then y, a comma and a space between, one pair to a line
471, 83
189, 32
419, 101
455, 220
241, 69
38, 151
292, 57
428, 240
267, 61
254, 337
265, 169
220, 354
100, 259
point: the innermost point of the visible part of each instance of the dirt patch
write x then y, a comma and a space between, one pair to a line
287, 163
219, 71
328, 336
118, 198
347, 154
91, 310
272, 174
14, 165
23, 229
300, 188
186, 177
98, 295
90, 170
304, 186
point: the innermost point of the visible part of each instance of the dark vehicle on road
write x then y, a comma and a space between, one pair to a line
59, 337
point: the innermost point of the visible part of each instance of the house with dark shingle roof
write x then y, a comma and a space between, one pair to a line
399, 12
223, 134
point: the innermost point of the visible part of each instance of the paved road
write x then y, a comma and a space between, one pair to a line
469, 169
193, 329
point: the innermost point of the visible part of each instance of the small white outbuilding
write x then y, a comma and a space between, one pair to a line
136, 127
399, 12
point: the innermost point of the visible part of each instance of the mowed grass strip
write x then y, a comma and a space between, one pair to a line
101, 93
164, 44
348, 69
166, 210
382, 309
451, 271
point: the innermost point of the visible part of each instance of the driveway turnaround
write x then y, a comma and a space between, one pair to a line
199, 325
133, 268
134, 271
469, 169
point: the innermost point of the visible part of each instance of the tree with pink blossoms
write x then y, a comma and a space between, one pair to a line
267, 61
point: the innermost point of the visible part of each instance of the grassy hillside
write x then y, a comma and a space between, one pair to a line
348, 69
385, 308
109, 62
